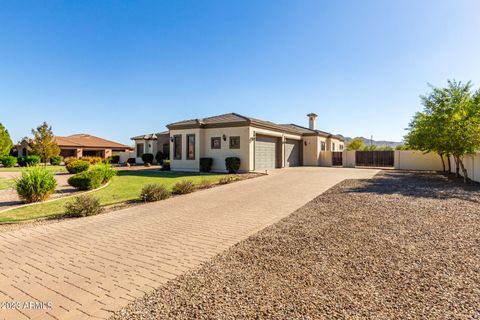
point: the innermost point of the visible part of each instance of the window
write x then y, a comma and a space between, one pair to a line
234, 142
190, 147
322, 145
166, 150
139, 150
177, 147
333, 146
216, 143
341, 147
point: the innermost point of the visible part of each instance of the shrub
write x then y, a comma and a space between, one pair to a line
87, 180
159, 156
147, 158
28, 161
232, 164
8, 161
66, 161
206, 164
228, 179
77, 166
205, 184
55, 160
115, 159
106, 170
92, 160
131, 160
166, 165
82, 206
154, 192
183, 187
35, 184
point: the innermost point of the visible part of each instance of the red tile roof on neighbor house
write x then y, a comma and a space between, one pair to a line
88, 141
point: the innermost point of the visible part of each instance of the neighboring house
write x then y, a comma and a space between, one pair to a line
152, 143
81, 145
259, 144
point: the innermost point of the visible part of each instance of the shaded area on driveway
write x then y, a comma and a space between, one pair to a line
354, 252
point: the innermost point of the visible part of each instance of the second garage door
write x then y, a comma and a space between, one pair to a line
292, 153
265, 152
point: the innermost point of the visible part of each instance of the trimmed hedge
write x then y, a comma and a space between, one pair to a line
8, 161
159, 157
55, 160
232, 164
28, 161
206, 164
147, 158
131, 160
77, 166
87, 180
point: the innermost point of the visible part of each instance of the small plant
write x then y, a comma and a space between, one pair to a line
106, 171
206, 164
183, 187
154, 192
77, 166
87, 180
115, 159
92, 160
228, 179
82, 206
147, 158
159, 156
55, 160
232, 164
28, 161
8, 161
166, 165
131, 161
205, 184
36, 184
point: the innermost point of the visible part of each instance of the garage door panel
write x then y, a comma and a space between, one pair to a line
265, 152
292, 153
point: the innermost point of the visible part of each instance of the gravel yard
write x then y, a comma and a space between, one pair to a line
401, 245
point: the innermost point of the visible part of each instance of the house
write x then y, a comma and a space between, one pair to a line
259, 144
152, 143
80, 145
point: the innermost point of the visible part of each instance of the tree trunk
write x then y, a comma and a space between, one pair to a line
449, 164
443, 162
464, 171
457, 166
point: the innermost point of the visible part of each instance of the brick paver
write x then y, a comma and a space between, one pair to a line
89, 267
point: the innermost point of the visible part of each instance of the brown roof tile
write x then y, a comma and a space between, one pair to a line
86, 140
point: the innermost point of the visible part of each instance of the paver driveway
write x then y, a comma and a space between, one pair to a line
88, 267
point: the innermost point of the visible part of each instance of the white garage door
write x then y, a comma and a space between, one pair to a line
292, 153
265, 152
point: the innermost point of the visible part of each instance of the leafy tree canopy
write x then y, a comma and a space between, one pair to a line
356, 144
43, 143
5, 141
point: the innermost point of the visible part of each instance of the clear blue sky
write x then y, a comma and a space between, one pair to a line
122, 68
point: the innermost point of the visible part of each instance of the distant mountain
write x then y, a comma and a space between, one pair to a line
378, 143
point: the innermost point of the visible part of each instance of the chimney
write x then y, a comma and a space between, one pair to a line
311, 120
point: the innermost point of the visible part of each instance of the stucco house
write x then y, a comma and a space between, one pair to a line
80, 145
260, 145
152, 143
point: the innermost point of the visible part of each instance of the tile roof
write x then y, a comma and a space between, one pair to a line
150, 136
86, 140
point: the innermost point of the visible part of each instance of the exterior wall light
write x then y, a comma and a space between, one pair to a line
171, 139
224, 137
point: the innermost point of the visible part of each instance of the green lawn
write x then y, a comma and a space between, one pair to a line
54, 169
5, 183
124, 187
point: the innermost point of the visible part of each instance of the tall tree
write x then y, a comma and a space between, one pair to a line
43, 143
5, 141
356, 144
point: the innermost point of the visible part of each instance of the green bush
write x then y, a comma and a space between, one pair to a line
166, 165
232, 164
93, 160
82, 206
147, 158
55, 160
87, 180
8, 161
77, 166
159, 156
28, 161
154, 192
131, 160
206, 164
115, 159
183, 187
228, 179
35, 184
205, 184
106, 170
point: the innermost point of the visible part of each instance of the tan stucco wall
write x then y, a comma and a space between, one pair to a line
349, 159
417, 160
326, 158
184, 164
311, 150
